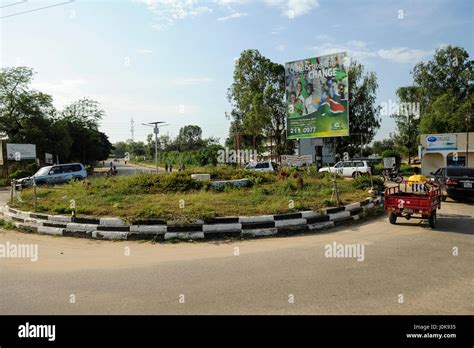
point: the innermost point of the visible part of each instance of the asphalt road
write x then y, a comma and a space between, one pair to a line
407, 269
127, 169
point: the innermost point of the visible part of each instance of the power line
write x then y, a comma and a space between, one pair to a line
16, 3
37, 9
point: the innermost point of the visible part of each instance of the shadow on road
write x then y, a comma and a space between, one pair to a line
451, 223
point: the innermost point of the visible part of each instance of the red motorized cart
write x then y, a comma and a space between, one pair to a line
404, 201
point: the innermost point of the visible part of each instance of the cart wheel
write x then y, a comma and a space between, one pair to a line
432, 219
398, 179
392, 217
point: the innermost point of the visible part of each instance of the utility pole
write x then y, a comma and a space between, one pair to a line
132, 129
156, 130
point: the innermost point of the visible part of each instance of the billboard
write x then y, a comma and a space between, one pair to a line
317, 94
48, 158
18, 152
437, 142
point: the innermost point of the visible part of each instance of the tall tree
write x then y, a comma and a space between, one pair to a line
88, 143
364, 114
189, 138
408, 119
257, 97
19, 105
446, 87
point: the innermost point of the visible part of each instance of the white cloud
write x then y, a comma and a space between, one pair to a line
324, 37
63, 92
144, 51
280, 48
293, 8
403, 54
355, 49
278, 30
231, 2
167, 12
232, 16
189, 81
361, 50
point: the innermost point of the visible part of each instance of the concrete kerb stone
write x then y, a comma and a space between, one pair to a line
184, 235
246, 226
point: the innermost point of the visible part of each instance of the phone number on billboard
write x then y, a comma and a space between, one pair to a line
306, 130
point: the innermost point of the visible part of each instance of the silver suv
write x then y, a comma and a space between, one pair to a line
56, 174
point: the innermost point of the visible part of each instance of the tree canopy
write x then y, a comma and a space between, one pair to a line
28, 116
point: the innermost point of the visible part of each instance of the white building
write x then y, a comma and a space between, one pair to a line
444, 150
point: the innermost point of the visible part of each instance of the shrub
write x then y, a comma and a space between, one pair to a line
407, 169
21, 173
364, 182
254, 180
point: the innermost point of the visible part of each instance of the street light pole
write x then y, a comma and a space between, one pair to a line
156, 130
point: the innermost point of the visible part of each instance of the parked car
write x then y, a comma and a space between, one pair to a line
349, 168
455, 182
56, 174
266, 166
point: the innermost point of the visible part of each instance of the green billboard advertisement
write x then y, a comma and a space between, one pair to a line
317, 93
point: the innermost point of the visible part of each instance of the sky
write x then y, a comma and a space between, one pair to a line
173, 60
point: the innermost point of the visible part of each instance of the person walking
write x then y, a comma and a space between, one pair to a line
166, 167
171, 168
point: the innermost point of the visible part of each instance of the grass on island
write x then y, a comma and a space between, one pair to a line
174, 196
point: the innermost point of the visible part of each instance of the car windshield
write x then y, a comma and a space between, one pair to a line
460, 171
42, 171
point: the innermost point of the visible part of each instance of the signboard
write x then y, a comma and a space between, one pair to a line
317, 94
48, 158
19, 152
389, 162
296, 161
437, 142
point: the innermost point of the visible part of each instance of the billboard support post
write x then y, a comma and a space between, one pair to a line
34, 194
468, 121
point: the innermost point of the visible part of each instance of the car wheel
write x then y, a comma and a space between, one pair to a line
432, 219
392, 217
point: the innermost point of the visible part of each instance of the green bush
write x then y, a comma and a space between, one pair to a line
21, 173
406, 169
364, 182
377, 169
4, 182
152, 183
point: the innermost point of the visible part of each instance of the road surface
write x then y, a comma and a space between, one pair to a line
126, 169
407, 269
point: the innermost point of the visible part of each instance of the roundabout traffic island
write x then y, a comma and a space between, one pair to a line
234, 204
112, 228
